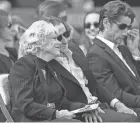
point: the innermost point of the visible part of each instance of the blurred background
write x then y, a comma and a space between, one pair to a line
76, 11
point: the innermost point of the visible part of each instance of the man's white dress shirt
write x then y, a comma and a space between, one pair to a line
116, 50
69, 64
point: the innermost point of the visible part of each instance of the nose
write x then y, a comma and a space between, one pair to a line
64, 40
92, 26
125, 31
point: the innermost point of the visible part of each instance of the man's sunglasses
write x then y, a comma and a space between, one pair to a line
65, 35
123, 26
88, 25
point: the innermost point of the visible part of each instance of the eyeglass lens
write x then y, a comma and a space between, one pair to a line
88, 25
65, 34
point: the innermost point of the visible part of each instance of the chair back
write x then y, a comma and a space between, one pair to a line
4, 88
5, 96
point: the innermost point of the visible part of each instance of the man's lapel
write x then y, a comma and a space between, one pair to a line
62, 71
128, 58
114, 56
78, 56
81, 60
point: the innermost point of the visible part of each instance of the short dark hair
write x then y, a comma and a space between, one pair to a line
56, 21
50, 8
113, 10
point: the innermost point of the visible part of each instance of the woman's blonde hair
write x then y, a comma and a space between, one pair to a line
32, 41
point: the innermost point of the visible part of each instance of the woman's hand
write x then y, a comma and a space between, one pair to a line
93, 116
64, 114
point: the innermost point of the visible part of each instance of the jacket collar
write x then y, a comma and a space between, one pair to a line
109, 51
62, 71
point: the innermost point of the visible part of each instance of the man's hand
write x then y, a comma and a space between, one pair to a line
133, 38
123, 109
93, 116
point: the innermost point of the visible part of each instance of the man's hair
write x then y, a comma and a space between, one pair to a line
50, 8
113, 10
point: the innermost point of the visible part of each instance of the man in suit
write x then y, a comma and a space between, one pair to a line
111, 68
81, 85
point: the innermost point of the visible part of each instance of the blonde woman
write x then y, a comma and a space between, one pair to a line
37, 93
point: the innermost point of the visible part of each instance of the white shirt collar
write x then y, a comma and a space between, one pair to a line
107, 42
63, 56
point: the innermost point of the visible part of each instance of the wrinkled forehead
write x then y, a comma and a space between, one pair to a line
124, 19
93, 17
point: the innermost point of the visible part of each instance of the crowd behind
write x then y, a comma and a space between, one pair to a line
53, 70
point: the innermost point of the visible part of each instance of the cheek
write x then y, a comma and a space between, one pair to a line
118, 33
97, 29
86, 30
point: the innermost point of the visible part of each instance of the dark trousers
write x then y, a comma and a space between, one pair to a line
113, 116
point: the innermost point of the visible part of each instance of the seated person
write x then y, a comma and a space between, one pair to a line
37, 94
111, 68
7, 54
80, 83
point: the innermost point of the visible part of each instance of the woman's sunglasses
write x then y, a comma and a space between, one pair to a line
88, 25
65, 35
123, 26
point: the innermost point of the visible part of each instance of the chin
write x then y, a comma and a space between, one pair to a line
58, 54
91, 36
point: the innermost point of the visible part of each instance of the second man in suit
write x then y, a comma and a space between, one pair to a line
111, 68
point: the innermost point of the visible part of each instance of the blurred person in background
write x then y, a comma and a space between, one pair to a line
17, 27
7, 57
6, 37
88, 5
5, 5
91, 25
91, 29
56, 9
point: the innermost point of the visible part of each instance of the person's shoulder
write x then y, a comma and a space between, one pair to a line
12, 53
27, 60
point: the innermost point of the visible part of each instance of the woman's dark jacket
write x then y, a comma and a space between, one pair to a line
35, 87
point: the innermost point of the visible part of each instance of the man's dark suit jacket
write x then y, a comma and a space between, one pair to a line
34, 85
113, 74
73, 88
127, 54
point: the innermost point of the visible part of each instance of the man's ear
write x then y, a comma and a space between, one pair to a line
106, 23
